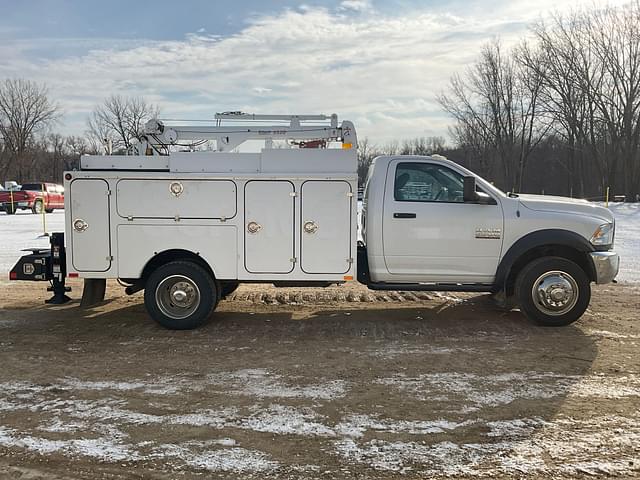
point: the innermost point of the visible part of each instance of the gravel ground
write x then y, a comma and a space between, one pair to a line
333, 383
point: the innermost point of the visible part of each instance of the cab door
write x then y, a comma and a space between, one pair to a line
430, 234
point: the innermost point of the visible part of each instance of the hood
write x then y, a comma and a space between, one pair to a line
548, 203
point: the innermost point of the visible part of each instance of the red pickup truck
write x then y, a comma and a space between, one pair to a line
34, 197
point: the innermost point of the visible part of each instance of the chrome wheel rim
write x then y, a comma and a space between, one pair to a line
38, 207
555, 293
177, 297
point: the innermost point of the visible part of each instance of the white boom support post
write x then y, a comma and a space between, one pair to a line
159, 135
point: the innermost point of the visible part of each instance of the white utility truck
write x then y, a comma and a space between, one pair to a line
188, 226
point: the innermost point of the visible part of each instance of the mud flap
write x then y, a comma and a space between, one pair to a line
93, 292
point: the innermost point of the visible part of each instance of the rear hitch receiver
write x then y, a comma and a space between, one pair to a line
46, 265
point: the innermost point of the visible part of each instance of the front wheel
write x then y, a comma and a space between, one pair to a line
553, 291
180, 295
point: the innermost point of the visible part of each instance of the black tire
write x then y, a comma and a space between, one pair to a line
228, 288
10, 209
37, 207
553, 291
48, 210
194, 284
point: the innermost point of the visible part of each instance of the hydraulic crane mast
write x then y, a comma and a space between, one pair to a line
159, 136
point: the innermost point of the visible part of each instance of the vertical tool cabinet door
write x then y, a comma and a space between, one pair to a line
326, 226
268, 226
90, 238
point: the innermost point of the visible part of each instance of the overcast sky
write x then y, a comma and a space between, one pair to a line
378, 63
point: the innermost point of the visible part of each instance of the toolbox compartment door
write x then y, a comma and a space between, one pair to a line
268, 226
326, 227
176, 198
90, 237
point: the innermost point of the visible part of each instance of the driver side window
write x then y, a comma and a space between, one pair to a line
427, 182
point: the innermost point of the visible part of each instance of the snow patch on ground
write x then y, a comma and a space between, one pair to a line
627, 241
103, 448
284, 420
396, 350
23, 230
100, 428
612, 335
505, 388
520, 446
262, 384
355, 426
234, 459
247, 382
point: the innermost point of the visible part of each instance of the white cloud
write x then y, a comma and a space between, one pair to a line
382, 72
356, 5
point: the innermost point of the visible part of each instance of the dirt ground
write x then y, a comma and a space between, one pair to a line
334, 383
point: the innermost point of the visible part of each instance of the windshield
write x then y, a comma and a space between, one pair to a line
33, 187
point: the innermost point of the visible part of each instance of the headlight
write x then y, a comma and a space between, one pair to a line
603, 235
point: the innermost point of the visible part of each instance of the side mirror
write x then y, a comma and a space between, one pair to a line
469, 193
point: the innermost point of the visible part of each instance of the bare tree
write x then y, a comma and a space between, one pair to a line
78, 145
25, 109
366, 154
615, 37
119, 120
495, 105
392, 147
590, 65
422, 146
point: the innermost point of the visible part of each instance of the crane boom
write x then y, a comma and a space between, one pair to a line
158, 135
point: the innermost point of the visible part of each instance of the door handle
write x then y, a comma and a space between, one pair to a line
404, 215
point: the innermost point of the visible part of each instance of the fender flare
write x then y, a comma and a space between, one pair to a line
539, 238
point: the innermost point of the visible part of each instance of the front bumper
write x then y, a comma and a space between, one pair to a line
606, 266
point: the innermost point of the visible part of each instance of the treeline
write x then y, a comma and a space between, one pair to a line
30, 150
560, 111
547, 172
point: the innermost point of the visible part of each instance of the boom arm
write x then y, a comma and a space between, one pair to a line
158, 136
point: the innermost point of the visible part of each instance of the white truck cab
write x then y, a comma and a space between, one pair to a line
187, 227
428, 223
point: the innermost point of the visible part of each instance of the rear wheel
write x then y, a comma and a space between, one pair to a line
48, 210
37, 207
553, 291
180, 295
11, 209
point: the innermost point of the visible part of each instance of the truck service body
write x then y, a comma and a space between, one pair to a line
188, 227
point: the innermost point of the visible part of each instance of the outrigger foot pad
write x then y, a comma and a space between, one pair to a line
58, 299
93, 292
59, 293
